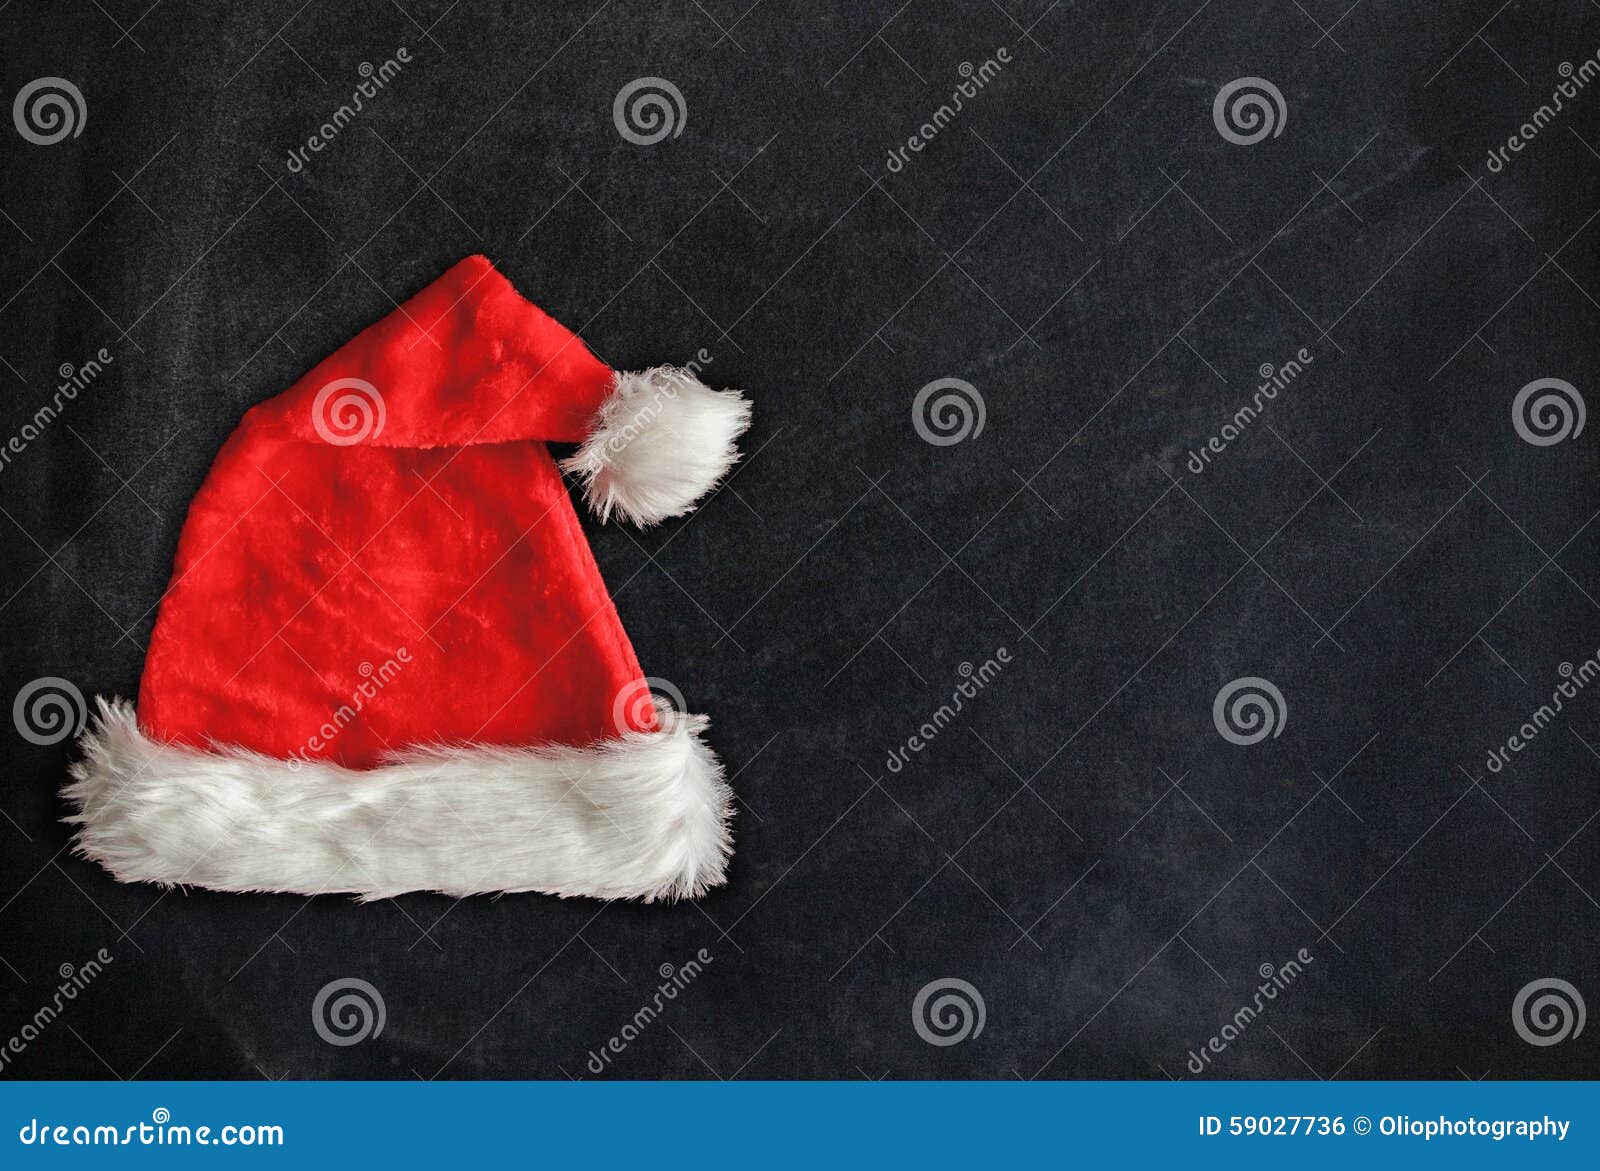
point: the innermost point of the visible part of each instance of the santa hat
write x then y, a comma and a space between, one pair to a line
387, 661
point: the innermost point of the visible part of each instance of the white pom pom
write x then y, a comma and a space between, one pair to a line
660, 442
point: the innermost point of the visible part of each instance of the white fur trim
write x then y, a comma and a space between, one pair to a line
660, 441
645, 816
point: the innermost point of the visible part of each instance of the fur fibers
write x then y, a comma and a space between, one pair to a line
644, 817
662, 439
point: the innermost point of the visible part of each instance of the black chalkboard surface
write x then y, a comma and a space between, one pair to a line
1166, 529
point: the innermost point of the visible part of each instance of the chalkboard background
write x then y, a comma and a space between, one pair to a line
1105, 259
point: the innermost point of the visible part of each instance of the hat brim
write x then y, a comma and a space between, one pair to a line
645, 816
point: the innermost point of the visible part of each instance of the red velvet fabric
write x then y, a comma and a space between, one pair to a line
305, 566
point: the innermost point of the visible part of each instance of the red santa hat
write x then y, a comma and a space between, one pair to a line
387, 661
